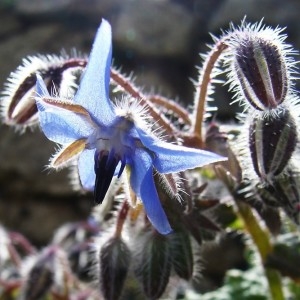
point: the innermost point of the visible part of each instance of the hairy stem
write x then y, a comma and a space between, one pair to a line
121, 218
20, 240
128, 87
261, 239
172, 106
202, 87
257, 230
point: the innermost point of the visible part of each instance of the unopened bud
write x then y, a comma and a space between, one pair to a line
40, 277
261, 65
115, 259
18, 98
272, 141
153, 265
182, 254
285, 192
261, 71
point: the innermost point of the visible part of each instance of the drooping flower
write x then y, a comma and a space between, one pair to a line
105, 139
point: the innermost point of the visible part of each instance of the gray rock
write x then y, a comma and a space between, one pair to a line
274, 12
154, 28
34, 200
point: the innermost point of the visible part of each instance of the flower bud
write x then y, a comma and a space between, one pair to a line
272, 141
182, 254
261, 71
115, 259
285, 192
153, 264
18, 103
40, 277
261, 65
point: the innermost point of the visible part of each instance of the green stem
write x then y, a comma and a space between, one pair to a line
261, 239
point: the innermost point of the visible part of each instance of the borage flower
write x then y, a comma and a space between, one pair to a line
105, 139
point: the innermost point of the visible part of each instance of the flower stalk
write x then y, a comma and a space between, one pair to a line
202, 88
259, 234
262, 240
133, 91
121, 218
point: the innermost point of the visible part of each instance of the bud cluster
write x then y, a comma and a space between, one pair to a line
138, 259
261, 71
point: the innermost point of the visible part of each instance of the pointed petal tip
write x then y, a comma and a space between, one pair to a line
142, 183
172, 158
165, 231
216, 157
93, 90
159, 221
41, 89
105, 23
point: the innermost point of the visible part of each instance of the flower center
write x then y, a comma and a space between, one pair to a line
106, 163
112, 151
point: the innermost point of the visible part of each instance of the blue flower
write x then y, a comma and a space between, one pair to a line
105, 139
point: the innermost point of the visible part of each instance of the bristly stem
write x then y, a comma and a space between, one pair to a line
202, 87
129, 87
20, 240
259, 233
261, 239
173, 106
121, 218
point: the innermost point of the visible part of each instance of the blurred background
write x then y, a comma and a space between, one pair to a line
159, 41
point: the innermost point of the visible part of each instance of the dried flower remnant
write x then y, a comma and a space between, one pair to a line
285, 192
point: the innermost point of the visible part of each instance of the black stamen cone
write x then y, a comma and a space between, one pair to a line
105, 166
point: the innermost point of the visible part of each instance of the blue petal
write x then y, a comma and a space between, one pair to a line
63, 127
86, 169
143, 185
93, 91
170, 158
60, 125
